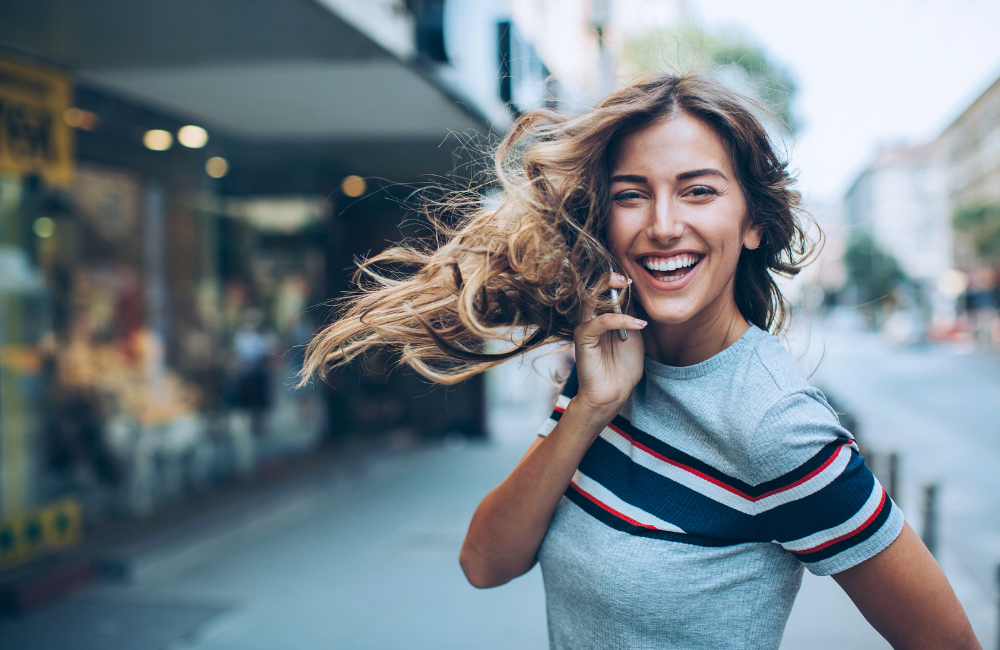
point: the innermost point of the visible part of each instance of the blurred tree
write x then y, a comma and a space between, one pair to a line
875, 273
981, 224
688, 48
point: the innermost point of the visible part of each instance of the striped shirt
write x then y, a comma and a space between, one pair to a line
689, 519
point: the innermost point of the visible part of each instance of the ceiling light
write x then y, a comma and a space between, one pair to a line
217, 167
44, 227
193, 137
157, 139
81, 119
353, 186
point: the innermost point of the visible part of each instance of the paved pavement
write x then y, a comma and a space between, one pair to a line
365, 555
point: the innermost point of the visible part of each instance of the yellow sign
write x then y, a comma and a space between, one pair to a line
34, 137
53, 527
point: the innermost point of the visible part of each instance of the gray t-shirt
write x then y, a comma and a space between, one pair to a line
690, 518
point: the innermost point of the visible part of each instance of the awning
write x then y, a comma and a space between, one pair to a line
291, 72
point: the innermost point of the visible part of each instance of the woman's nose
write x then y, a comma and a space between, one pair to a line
665, 224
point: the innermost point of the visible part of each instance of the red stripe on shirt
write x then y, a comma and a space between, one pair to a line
806, 477
715, 481
605, 506
865, 524
690, 470
722, 484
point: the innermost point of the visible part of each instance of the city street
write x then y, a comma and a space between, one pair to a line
364, 554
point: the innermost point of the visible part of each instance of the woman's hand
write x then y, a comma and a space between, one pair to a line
607, 367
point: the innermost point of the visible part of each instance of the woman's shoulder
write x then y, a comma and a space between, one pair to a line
770, 353
760, 379
791, 420
796, 421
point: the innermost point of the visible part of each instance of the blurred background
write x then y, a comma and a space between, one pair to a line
184, 185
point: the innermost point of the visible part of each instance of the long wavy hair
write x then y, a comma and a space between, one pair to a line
528, 261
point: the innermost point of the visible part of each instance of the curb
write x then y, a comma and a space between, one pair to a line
38, 584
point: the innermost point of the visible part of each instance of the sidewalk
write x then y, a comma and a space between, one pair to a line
362, 557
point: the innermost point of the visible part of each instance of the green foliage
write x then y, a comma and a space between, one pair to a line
874, 272
687, 49
981, 224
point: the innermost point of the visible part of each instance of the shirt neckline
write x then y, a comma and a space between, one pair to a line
750, 337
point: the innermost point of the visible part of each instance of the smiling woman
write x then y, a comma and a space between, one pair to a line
687, 475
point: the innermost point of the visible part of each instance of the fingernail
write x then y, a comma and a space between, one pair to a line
619, 277
640, 322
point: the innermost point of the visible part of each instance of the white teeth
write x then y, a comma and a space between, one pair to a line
670, 264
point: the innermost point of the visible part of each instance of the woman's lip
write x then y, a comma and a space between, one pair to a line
662, 255
674, 285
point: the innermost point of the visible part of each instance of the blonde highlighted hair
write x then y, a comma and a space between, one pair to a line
535, 259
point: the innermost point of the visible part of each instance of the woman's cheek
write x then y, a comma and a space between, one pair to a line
618, 241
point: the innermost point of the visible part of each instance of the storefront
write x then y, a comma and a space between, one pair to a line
36, 151
148, 321
156, 298
174, 224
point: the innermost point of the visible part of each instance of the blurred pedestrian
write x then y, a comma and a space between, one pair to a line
688, 472
252, 348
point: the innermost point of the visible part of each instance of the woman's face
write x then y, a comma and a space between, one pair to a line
677, 218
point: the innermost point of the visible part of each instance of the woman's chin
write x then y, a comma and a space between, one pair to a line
662, 315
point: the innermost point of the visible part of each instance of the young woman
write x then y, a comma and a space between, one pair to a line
688, 472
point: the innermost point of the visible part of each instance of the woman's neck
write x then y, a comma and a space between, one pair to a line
699, 338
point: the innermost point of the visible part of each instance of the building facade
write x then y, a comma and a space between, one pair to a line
970, 147
970, 150
899, 200
183, 191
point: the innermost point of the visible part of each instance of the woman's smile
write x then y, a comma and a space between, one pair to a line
670, 271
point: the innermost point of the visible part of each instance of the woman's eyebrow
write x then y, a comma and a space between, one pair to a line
629, 178
701, 172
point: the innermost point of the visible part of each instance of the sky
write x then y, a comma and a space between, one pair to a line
869, 72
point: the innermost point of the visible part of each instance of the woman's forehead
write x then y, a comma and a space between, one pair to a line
671, 146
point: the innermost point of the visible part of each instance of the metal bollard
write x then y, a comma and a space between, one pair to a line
998, 608
894, 477
930, 532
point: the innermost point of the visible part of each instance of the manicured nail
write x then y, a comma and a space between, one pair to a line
640, 322
619, 277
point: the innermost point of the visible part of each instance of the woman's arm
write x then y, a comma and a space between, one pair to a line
906, 597
511, 520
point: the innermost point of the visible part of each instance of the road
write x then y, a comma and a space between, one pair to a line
365, 555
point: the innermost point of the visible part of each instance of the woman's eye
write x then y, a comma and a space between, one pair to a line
701, 190
625, 196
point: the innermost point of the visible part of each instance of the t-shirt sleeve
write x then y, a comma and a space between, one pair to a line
817, 497
568, 392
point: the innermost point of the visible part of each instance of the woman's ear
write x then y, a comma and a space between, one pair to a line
751, 238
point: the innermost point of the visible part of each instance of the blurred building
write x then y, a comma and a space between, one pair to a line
581, 40
970, 148
182, 186
899, 201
